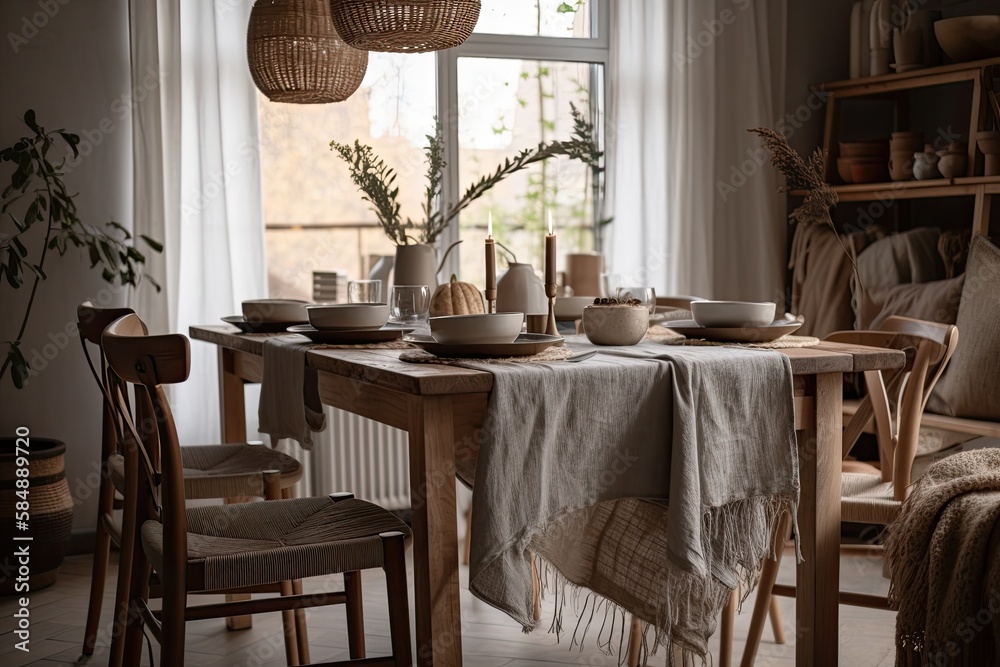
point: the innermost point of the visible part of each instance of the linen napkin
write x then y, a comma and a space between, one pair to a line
289, 393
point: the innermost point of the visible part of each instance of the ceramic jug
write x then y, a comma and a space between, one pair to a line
925, 166
520, 290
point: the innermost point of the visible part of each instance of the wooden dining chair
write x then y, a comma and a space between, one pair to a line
210, 471
873, 497
238, 548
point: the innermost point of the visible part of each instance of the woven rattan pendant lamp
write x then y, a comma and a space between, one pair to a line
296, 55
405, 26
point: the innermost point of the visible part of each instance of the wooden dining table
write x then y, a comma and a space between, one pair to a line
442, 407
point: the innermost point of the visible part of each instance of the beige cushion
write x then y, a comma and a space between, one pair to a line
970, 386
935, 301
909, 257
867, 499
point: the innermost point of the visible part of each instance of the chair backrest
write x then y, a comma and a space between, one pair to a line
91, 322
930, 346
152, 451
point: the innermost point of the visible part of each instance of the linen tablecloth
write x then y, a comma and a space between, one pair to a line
651, 475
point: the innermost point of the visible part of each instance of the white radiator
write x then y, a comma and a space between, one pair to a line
362, 456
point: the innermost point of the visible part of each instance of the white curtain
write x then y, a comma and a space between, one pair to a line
197, 180
693, 196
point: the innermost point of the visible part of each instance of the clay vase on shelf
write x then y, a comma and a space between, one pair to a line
901, 165
880, 37
989, 145
925, 166
952, 164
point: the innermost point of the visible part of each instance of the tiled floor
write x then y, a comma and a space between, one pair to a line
490, 638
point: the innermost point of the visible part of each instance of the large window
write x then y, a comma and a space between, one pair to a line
507, 88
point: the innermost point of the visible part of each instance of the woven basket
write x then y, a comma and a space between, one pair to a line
50, 513
405, 26
296, 56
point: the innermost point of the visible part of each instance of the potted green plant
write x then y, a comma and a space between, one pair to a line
35, 498
38, 181
415, 257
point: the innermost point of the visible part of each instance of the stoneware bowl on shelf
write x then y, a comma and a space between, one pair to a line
901, 165
615, 324
275, 310
479, 328
868, 148
966, 38
869, 172
844, 169
732, 313
952, 165
348, 316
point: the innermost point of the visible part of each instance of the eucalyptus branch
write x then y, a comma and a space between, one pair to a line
375, 179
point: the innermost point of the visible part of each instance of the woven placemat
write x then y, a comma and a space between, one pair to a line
384, 345
668, 337
555, 353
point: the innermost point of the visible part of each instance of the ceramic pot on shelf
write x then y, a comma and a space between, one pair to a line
520, 290
925, 166
989, 145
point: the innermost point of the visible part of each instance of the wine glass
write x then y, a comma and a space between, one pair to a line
645, 295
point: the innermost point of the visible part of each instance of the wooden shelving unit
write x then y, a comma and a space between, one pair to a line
893, 86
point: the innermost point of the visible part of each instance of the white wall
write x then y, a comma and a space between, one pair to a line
68, 60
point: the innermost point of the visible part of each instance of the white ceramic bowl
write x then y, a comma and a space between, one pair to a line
346, 316
477, 328
568, 307
615, 325
732, 313
275, 310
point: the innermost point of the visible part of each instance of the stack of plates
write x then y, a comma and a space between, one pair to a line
329, 287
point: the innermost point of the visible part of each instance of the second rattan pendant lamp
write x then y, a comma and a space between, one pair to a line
405, 26
296, 55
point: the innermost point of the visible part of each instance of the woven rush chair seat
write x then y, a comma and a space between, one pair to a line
867, 499
224, 471
250, 544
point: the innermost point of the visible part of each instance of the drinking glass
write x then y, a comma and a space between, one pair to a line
409, 304
645, 295
364, 291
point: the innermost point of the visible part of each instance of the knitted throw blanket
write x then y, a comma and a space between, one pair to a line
943, 556
651, 475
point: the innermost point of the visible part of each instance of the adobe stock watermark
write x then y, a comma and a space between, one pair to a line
30, 25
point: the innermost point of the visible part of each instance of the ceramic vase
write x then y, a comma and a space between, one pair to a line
520, 290
925, 166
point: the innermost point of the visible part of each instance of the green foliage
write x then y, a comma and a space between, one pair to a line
37, 181
376, 180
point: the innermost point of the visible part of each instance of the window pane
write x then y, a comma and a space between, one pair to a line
511, 105
547, 18
315, 217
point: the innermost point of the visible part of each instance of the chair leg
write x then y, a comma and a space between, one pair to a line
536, 591
634, 643
99, 571
172, 626
467, 542
394, 563
762, 605
138, 589
726, 635
355, 615
777, 625
301, 630
289, 630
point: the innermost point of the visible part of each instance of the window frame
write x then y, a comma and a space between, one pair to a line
594, 50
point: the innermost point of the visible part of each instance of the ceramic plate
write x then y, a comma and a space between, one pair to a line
246, 326
341, 337
773, 331
525, 344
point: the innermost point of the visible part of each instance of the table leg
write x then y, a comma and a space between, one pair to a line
233, 418
435, 531
818, 575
